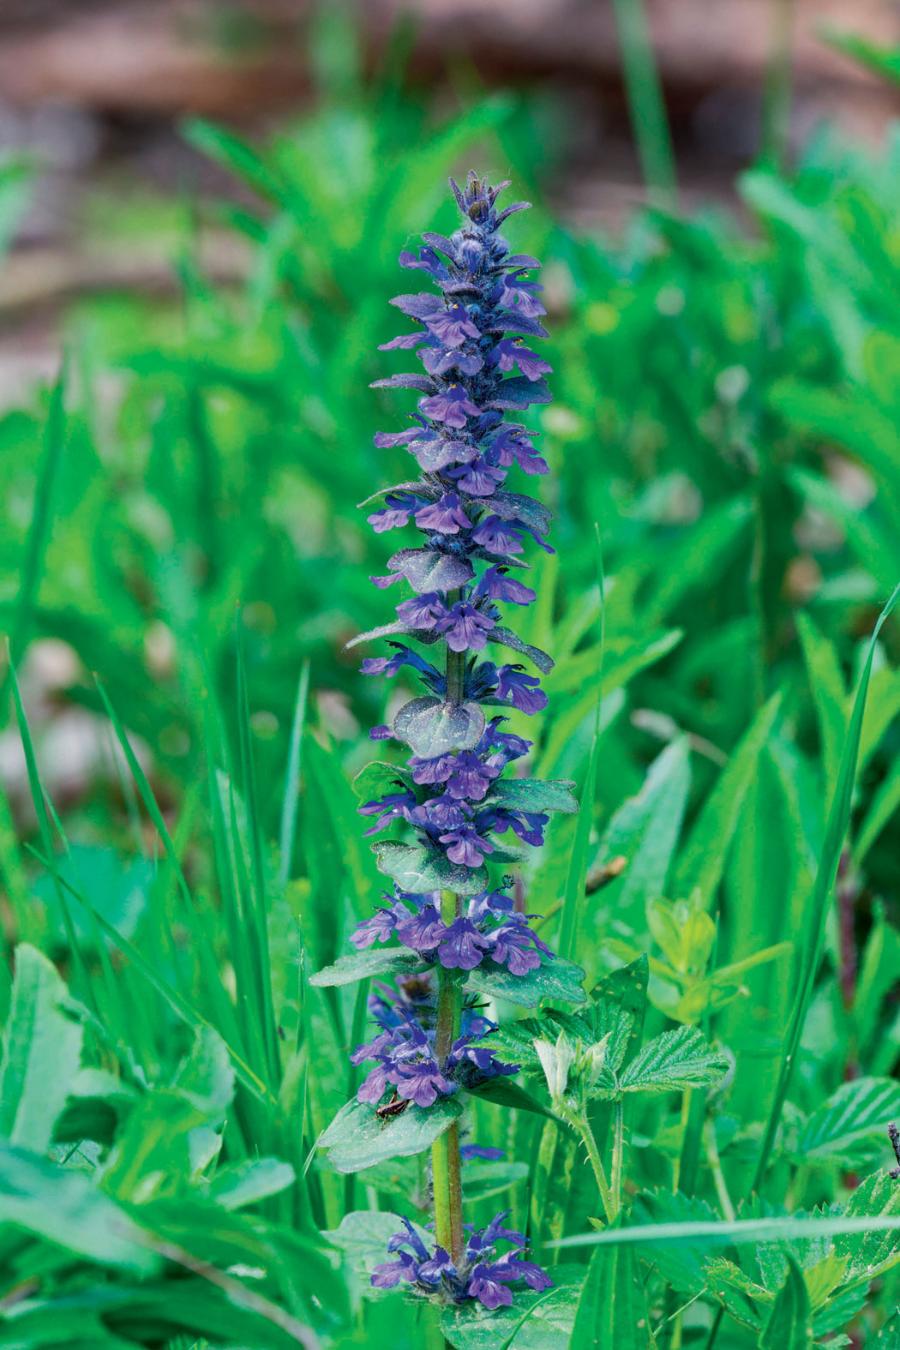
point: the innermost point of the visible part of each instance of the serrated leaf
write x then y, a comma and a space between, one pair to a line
674, 1061
418, 869
362, 965
558, 979
535, 794
431, 727
41, 1052
357, 1138
618, 1006
507, 638
428, 569
849, 1128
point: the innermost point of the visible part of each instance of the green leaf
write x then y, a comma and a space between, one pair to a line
848, 1130
249, 1181
363, 1236
379, 779
612, 1308
558, 979
789, 1327
358, 1138
428, 569
674, 1061
418, 869
703, 858
519, 392
41, 1052
505, 1092
507, 638
361, 965
67, 1209
534, 794
431, 728
536, 1321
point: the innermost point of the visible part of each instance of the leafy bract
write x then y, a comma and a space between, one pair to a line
358, 1138
431, 728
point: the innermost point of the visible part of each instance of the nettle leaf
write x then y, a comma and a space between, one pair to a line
358, 1138
536, 1321
535, 794
519, 506
379, 779
870, 1254
361, 965
557, 979
674, 1061
681, 1264
617, 1010
848, 1129
418, 869
507, 638
519, 392
427, 569
431, 728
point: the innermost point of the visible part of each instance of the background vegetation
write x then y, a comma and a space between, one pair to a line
182, 562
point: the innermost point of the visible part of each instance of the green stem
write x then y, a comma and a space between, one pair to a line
715, 1166
581, 1124
445, 1165
618, 1154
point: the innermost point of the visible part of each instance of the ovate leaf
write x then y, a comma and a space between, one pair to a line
361, 965
427, 569
533, 794
359, 1138
558, 979
419, 869
431, 728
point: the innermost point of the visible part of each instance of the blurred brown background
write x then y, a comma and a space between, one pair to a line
95, 91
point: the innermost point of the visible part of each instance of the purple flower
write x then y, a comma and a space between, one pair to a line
466, 846
446, 516
462, 946
389, 665
497, 536
516, 946
437, 361
465, 627
422, 931
379, 928
422, 611
422, 1083
495, 584
469, 777
436, 770
510, 352
522, 691
388, 809
468, 1152
451, 406
452, 325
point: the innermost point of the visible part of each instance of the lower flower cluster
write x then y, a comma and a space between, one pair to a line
404, 1050
482, 1274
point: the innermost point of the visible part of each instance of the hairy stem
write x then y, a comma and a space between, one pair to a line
445, 1164
582, 1125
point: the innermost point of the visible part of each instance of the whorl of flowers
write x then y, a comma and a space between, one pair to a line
451, 801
